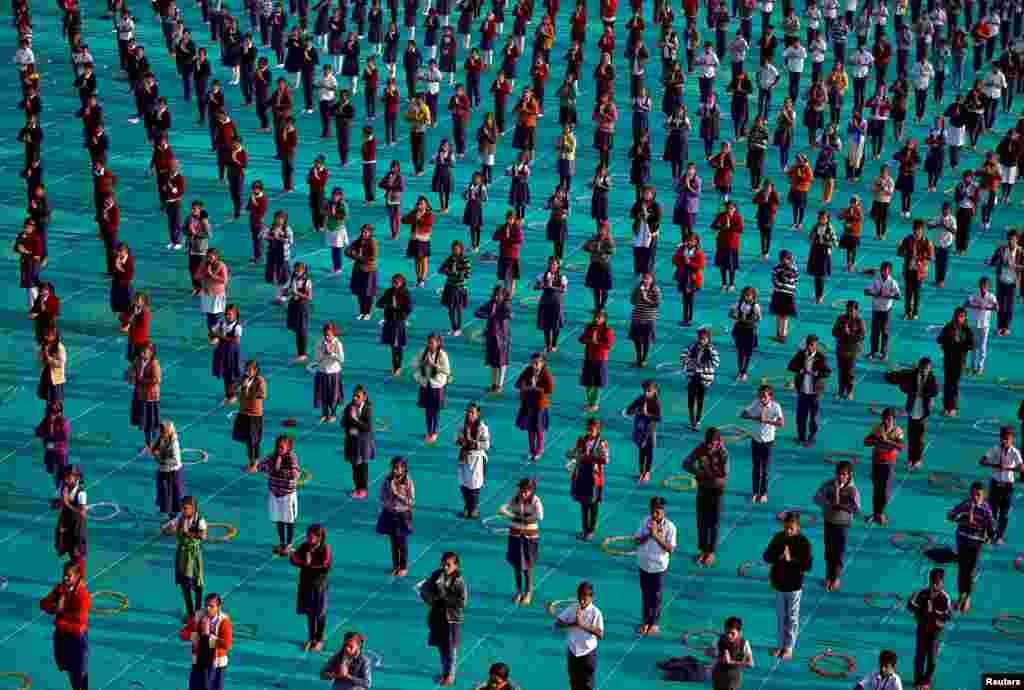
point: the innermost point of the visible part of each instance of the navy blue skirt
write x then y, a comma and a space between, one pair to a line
519, 193
473, 214
121, 298
532, 419
247, 429
170, 489
328, 390
394, 524
227, 362
594, 374
393, 334
599, 206
71, 653
745, 339
311, 600
550, 315
55, 462
782, 304
297, 319
47, 390
557, 230
819, 261
417, 249
508, 268
522, 552
206, 678
457, 297
599, 276
145, 414
363, 283
727, 258
29, 273
431, 398
496, 352
642, 331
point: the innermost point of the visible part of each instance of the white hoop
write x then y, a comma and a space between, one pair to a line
498, 531
626, 414
104, 504
985, 422
313, 367
376, 659
204, 457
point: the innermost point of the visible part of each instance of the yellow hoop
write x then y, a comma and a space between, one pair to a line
690, 635
305, 476
26, 680
552, 606
834, 457
947, 481
615, 551
121, 607
232, 532
680, 482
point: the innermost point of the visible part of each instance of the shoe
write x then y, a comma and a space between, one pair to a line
177, 247
786, 654
170, 245
526, 599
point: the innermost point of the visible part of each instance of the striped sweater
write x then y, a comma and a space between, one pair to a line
700, 363
974, 522
784, 278
457, 270
282, 473
646, 303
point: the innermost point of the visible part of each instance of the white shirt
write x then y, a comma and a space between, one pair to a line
981, 306
943, 237
876, 681
922, 72
884, 293
330, 355
772, 412
650, 556
580, 641
818, 50
768, 75
707, 62
190, 523
994, 84
795, 56
807, 375
23, 57
78, 496
473, 463
1000, 456
861, 61
328, 88
738, 49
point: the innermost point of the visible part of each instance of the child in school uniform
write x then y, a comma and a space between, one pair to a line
886, 440
932, 609
767, 415
71, 534
980, 307
349, 668
732, 655
69, 602
473, 440
1005, 460
397, 305
360, 446
170, 481
313, 559
299, 293
432, 371
55, 432
328, 389
210, 633
785, 276
279, 238
584, 626
190, 531
138, 325
144, 376
121, 290
53, 359
535, 384
525, 511
213, 276
363, 283
790, 557
587, 482
509, 236
336, 236
747, 314
497, 678
656, 541
497, 315
839, 500
397, 497
283, 472
29, 248
975, 527
225, 337
885, 678
598, 339
551, 305
709, 463
456, 269
248, 424
447, 595
646, 413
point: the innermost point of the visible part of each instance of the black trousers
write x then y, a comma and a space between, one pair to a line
968, 552
360, 475
588, 516
582, 670
835, 548
926, 651
881, 480
880, 332
709, 516
916, 429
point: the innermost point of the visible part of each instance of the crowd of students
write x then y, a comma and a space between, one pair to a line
320, 52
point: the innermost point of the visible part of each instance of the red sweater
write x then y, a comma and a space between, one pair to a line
138, 329
510, 239
73, 619
729, 230
597, 351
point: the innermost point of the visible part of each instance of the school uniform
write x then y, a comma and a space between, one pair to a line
121, 291
53, 360
730, 676
597, 343
975, 527
884, 294
652, 564
336, 236
311, 597
360, 445
328, 389
932, 610
787, 578
920, 390
279, 243
395, 519
523, 548
300, 293
397, 306
980, 306
744, 331
283, 474
1001, 485
226, 355
534, 399
189, 570
359, 671
587, 481
711, 471
646, 413
551, 306
876, 681
447, 596
474, 442
810, 373
955, 342
432, 371
145, 378
248, 425
55, 432
497, 332
784, 282
209, 652
71, 535
363, 282
71, 631
839, 504
510, 241
582, 645
170, 481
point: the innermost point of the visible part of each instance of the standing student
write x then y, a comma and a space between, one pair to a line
689, 261
535, 384
785, 276
421, 223
746, 313
525, 511
598, 339
328, 389
55, 432
789, 554
280, 238
699, 362
393, 184
299, 293
473, 440
248, 424
584, 625
190, 531
884, 291
975, 527
956, 339
839, 500
121, 290
601, 248
886, 441
497, 313
656, 540
849, 331
143, 375
587, 482
336, 236
709, 463
170, 482
932, 609
885, 678
646, 413
213, 276
551, 306
72, 501
397, 497
497, 678
313, 559
917, 253
981, 305
349, 668
69, 602
225, 337
732, 655
363, 283
432, 370
646, 300
509, 237
397, 305
767, 414
1005, 460
456, 269
211, 635
810, 369
920, 387
446, 594
283, 472
360, 445
53, 360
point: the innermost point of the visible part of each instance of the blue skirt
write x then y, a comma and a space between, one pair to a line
642, 331
550, 315
206, 678
594, 374
522, 552
121, 298
431, 398
29, 273
363, 283
532, 419
170, 489
145, 414
745, 339
473, 214
297, 319
728, 259
457, 297
227, 362
394, 524
71, 653
393, 334
782, 304
417, 249
508, 268
599, 277
55, 462
496, 351
519, 193
328, 390
599, 206
311, 600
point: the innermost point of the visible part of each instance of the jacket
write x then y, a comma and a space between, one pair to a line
449, 595
220, 639
146, 380
838, 508
710, 468
906, 379
849, 334
819, 369
788, 576
537, 395
597, 349
434, 374
932, 619
251, 396
73, 619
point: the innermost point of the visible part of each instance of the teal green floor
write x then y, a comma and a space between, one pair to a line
138, 647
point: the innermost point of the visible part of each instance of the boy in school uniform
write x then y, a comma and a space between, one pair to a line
767, 415
584, 625
980, 306
1005, 460
790, 557
656, 540
932, 609
810, 369
886, 441
884, 291
975, 527
885, 678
